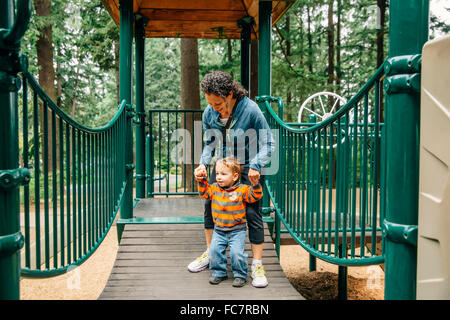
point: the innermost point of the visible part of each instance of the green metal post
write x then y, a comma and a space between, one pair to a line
408, 31
11, 177
245, 24
264, 65
342, 283
147, 164
265, 49
310, 156
140, 109
126, 39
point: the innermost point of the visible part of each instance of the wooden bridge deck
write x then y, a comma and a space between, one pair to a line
152, 261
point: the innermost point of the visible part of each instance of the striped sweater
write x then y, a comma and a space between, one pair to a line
228, 205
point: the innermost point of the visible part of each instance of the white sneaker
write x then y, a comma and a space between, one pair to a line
259, 276
199, 264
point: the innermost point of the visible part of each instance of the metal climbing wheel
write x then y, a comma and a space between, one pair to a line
322, 113
323, 105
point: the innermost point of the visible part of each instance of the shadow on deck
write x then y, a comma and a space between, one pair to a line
152, 260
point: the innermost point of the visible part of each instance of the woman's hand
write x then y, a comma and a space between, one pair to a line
200, 173
253, 176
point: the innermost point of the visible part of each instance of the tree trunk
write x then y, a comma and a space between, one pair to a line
330, 45
331, 66
229, 50
117, 59
287, 28
310, 57
338, 48
310, 48
190, 99
44, 51
58, 79
74, 100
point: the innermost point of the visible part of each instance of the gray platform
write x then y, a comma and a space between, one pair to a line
152, 261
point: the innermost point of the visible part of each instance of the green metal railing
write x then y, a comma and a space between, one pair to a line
328, 189
172, 151
77, 182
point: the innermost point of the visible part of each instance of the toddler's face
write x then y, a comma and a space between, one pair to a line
225, 177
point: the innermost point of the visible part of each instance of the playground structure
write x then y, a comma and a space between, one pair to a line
341, 188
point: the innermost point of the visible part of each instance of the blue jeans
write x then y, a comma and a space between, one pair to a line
217, 253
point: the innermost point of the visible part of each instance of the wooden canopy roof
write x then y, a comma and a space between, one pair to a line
197, 18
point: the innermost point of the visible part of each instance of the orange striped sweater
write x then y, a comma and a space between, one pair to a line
228, 205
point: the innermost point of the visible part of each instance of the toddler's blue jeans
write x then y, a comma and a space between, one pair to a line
218, 260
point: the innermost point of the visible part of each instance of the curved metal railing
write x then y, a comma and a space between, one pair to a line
77, 182
327, 190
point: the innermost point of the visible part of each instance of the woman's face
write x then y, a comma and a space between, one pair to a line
225, 177
220, 104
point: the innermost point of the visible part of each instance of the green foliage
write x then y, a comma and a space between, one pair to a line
304, 70
83, 37
162, 73
85, 41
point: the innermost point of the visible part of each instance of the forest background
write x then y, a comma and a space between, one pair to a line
319, 45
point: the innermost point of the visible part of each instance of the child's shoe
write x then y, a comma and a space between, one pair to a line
217, 280
259, 276
199, 264
239, 282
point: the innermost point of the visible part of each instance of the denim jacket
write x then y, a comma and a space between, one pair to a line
249, 138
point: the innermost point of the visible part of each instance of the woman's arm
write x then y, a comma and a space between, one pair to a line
266, 142
210, 139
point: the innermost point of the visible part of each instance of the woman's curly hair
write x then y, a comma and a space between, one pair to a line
221, 83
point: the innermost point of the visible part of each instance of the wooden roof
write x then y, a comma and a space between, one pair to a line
197, 18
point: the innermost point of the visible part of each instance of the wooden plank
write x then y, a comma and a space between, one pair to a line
173, 234
287, 239
197, 287
196, 15
191, 284
199, 248
270, 295
188, 206
165, 240
163, 227
232, 5
152, 264
253, 10
173, 255
197, 35
169, 262
198, 10
149, 276
171, 227
173, 268
164, 233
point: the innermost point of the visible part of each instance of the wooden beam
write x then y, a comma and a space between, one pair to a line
198, 35
231, 5
192, 26
279, 9
196, 15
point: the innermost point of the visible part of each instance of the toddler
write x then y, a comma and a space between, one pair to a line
228, 198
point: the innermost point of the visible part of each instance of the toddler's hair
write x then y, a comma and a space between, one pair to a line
232, 163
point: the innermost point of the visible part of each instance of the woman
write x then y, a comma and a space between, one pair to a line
230, 116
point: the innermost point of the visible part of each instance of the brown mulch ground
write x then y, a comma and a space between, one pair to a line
364, 283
